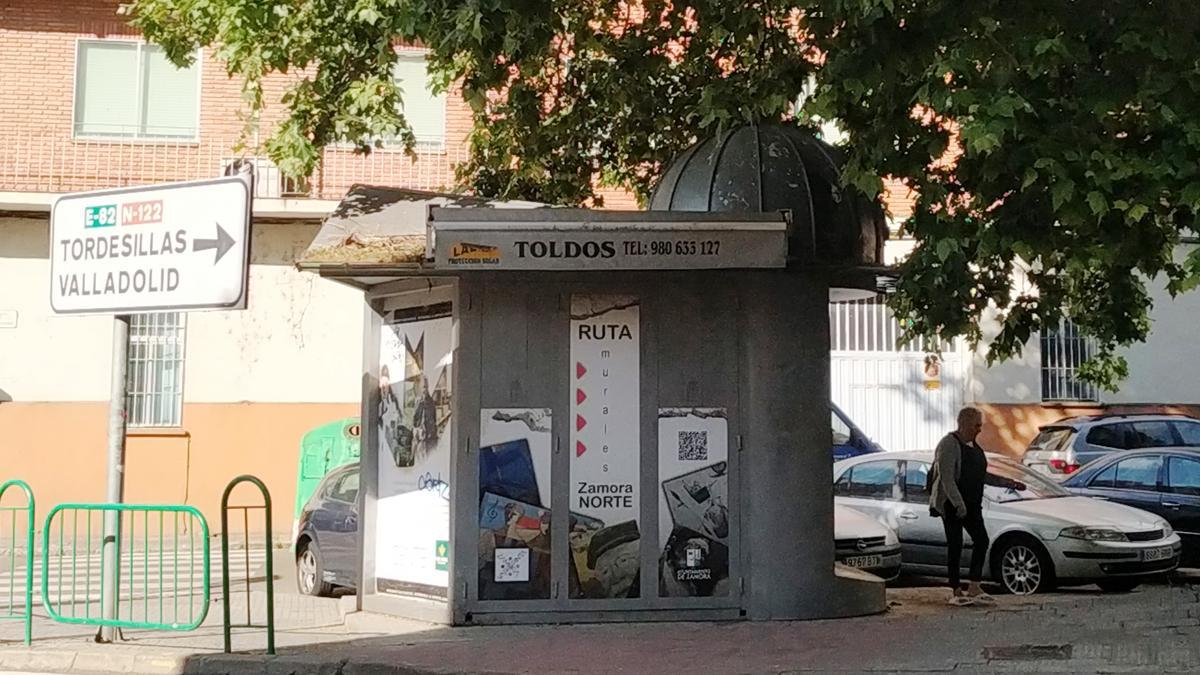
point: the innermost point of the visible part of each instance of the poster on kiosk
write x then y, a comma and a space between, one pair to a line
413, 536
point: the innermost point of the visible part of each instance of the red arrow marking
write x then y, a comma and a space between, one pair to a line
580, 371
580, 448
580, 423
580, 397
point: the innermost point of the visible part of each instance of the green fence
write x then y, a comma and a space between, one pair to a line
25, 613
162, 571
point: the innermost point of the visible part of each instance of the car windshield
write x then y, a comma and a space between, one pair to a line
1036, 487
1050, 440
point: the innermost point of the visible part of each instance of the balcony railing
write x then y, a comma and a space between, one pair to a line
56, 164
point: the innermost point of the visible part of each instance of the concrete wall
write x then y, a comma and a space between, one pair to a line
759, 348
254, 381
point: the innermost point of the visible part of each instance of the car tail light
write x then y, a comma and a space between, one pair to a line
1061, 466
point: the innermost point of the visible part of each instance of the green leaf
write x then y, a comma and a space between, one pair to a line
946, 248
1062, 192
1046, 45
1136, 213
1190, 197
368, 15
1031, 176
1097, 201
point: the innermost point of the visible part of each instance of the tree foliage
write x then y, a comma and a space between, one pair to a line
1072, 124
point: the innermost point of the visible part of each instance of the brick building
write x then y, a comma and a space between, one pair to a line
85, 104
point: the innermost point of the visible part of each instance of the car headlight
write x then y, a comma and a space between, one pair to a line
1094, 534
1167, 529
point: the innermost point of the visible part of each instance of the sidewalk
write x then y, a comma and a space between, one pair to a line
1156, 629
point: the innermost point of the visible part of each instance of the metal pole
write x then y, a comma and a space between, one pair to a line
116, 474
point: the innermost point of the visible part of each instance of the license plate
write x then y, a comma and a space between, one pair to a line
1160, 553
863, 561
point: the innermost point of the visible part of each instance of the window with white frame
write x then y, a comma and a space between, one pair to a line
155, 369
424, 110
126, 89
1064, 350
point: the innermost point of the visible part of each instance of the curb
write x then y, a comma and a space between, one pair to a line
90, 662
95, 662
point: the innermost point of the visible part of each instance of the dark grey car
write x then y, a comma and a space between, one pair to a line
1061, 448
327, 539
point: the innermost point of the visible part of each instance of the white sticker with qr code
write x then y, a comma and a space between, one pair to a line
512, 564
693, 446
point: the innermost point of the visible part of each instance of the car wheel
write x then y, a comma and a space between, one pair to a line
1022, 567
310, 572
1118, 585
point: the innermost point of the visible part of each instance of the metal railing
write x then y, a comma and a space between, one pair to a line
47, 162
870, 326
162, 572
26, 608
265, 507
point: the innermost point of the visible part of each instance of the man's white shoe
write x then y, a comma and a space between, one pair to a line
960, 600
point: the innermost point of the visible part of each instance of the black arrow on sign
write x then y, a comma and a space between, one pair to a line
222, 243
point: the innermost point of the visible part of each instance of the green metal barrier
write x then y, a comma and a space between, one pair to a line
266, 508
160, 565
26, 613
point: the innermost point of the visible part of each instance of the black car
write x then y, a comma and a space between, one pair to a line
1164, 481
327, 540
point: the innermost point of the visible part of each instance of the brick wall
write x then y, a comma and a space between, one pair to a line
39, 154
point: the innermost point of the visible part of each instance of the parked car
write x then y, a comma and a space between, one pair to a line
327, 540
848, 439
1163, 481
864, 543
1061, 448
1042, 536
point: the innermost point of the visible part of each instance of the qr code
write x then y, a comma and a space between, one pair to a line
512, 564
693, 446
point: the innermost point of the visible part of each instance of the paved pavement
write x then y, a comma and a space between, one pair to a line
1153, 630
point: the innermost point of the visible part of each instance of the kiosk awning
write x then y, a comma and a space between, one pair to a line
376, 232
379, 233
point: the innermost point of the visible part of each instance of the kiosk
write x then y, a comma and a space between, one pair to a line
582, 415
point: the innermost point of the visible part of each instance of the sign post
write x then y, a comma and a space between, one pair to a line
115, 490
170, 247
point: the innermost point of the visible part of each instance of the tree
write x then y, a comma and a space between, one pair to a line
1076, 154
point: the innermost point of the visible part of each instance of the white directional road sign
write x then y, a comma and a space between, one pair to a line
175, 246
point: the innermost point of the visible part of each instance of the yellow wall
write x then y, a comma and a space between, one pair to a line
59, 449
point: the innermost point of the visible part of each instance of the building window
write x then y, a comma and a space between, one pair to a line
127, 89
424, 110
1064, 350
155, 375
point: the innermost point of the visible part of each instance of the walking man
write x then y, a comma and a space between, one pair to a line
959, 474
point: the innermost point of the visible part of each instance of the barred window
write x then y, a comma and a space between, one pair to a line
155, 375
1064, 350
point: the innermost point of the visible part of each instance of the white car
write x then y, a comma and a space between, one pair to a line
1041, 536
864, 543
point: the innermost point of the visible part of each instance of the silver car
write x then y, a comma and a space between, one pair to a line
1042, 536
1060, 449
864, 543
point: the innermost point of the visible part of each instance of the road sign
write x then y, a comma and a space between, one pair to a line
175, 246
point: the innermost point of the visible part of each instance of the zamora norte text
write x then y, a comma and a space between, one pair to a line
605, 495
